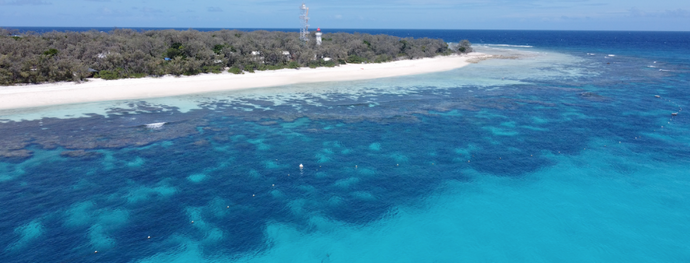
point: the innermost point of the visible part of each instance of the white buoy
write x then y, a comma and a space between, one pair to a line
149, 237
95, 252
228, 207
192, 222
301, 166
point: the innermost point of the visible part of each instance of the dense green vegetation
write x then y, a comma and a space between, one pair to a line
124, 53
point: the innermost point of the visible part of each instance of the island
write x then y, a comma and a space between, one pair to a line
72, 67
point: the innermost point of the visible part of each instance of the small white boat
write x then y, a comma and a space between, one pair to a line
155, 126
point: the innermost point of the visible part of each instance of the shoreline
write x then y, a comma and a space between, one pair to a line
95, 90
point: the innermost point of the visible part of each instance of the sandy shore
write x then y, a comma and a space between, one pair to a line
27, 96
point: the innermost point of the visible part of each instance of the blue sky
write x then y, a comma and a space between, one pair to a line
412, 14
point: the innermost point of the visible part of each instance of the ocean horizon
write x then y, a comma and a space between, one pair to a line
572, 147
291, 29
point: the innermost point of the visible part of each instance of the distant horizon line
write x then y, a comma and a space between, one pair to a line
342, 28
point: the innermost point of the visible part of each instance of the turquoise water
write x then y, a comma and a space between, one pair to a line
554, 155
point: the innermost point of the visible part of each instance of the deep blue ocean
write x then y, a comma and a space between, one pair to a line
557, 151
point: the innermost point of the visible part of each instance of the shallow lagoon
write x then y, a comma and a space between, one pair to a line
554, 156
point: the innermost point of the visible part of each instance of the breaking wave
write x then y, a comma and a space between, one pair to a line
506, 45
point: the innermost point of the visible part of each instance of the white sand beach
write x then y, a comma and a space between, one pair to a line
27, 96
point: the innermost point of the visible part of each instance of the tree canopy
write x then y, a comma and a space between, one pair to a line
126, 53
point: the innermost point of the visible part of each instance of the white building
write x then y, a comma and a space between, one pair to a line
318, 36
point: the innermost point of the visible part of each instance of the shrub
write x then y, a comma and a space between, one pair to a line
137, 75
176, 50
108, 75
314, 64
218, 49
263, 67
51, 52
212, 69
235, 70
275, 67
172, 52
382, 58
293, 65
368, 44
355, 59
250, 67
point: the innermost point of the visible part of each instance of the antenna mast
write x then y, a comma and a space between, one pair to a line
304, 18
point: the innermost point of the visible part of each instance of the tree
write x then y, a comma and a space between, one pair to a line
126, 53
465, 46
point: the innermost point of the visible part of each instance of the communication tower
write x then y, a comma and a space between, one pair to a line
304, 18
